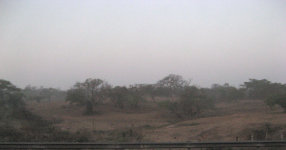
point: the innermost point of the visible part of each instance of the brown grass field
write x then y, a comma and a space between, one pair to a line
153, 124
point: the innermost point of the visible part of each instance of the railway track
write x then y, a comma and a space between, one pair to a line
186, 145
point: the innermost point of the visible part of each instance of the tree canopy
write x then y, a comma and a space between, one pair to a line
11, 98
89, 93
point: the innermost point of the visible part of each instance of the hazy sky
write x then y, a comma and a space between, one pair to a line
58, 42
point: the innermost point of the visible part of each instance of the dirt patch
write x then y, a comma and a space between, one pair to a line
228, 121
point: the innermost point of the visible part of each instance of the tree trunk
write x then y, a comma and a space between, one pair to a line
89, 108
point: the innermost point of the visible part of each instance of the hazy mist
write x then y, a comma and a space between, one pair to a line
58, 42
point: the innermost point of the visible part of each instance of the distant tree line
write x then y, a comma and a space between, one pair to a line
18, 124
32, 93
183, 99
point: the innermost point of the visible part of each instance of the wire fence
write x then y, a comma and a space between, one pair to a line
187, 145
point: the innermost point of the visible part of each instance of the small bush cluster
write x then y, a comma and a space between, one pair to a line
190, 104
19, 125
277, 100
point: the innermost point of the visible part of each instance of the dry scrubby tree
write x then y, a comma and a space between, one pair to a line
272, 93
224, 92
94, 91
175, 83
147, 90
191, 103
88, 93
191, 100
118, 96
18, 124
262, 89
32, 93
123, 97
135, 97
10, 99
277, 100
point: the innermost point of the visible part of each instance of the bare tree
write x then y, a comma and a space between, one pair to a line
89, 93
174, 83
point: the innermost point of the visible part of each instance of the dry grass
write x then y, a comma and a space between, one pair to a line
227, 121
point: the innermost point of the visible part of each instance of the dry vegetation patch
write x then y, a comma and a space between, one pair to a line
231, 120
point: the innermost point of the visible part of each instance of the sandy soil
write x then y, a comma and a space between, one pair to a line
228, 121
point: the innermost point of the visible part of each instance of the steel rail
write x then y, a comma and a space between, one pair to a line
24, 145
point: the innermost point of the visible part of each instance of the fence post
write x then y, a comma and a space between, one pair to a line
93, 124
236, 139
251, 138
282, 137
266, 135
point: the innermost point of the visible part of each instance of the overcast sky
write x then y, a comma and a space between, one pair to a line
55, 43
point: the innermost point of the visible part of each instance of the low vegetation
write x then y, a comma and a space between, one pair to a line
172, 100
20, 125
89, 93
279, 100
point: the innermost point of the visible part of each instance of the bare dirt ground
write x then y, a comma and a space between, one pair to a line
229, 120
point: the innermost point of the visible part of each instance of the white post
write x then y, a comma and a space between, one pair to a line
252, 137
